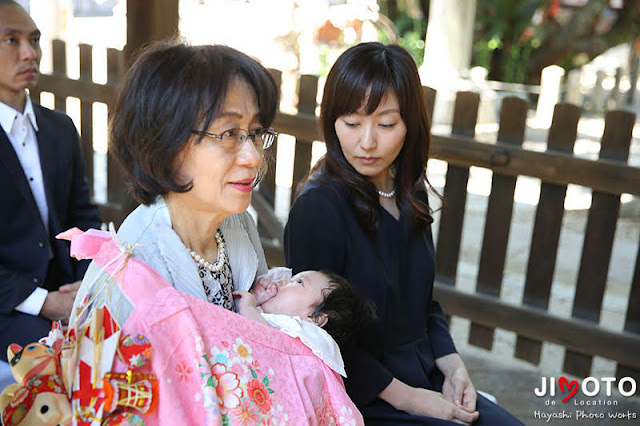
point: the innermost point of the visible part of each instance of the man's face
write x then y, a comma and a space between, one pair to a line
19, 53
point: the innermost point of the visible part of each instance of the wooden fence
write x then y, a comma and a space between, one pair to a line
608, 177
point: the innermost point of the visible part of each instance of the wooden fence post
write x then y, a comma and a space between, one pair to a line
633, 79
455, 192
307, 93
86, 113
119, 201
268, 183
149, 20
513, 121
546, 230
430, 99
60, 69
599, 235
632, 322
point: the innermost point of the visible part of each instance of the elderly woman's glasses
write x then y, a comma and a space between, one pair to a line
233, 139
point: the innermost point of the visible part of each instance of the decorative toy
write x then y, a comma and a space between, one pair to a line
40, 398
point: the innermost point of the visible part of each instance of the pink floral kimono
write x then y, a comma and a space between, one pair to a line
214, 366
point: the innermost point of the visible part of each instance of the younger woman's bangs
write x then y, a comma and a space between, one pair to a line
379, 86
369, 85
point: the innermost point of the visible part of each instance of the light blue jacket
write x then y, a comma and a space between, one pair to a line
149, 229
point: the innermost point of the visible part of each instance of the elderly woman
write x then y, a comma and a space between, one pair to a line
190, 128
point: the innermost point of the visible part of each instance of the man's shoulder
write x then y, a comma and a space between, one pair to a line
58, 117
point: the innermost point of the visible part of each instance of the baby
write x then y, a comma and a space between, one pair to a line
319, 307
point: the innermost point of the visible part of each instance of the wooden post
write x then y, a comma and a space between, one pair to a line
119, 201
546, 230
513, 121
307, 93
634, 65
86, 113
430, 99
60, 69
632, 323
455, 193
268, 183
599, 235
149, 20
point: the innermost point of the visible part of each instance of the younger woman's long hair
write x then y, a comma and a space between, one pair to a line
366, 73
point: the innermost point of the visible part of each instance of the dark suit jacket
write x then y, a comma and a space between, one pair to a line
24, 242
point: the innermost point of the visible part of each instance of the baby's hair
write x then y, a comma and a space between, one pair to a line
347, 311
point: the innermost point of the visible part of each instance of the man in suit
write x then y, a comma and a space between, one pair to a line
43, 191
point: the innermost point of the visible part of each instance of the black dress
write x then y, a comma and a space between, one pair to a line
395, 269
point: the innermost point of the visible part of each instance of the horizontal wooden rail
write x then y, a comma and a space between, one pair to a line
574, 334
88, 91
303, 126
551, 166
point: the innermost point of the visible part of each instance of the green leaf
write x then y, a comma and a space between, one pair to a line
210, 382
270, 390
253, 373
266, 380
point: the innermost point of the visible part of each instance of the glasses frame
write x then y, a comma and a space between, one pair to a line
249, 135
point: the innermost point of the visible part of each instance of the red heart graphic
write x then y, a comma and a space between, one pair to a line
565, 385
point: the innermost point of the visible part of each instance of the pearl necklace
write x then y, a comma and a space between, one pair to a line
222, 255
389, 194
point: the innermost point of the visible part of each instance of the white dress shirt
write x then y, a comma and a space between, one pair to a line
21, 129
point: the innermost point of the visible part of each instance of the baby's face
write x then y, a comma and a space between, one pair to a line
297, 296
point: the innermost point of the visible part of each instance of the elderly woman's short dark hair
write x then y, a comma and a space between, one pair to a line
171, 89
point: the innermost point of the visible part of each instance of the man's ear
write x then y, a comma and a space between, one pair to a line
320, 320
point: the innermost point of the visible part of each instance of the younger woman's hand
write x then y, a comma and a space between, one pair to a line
425, 403
457, 387
433, 404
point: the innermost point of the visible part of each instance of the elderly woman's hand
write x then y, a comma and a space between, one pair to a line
457, 387
245, 301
